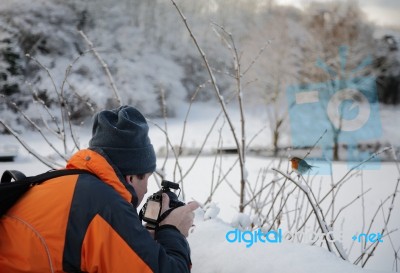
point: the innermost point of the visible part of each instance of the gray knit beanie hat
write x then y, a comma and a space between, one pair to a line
122, 134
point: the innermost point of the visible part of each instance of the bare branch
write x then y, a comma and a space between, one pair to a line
322, 224
213, 80
37, 128
105, 67
48, 163
349, 204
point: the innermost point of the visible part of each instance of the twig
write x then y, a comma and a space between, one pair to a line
256, 57
67, 73
212, 188
170, 144
52, 165
283, 204
361, 163
237, 66
216, 89
105, 67
36, 98
188, 112
202, 145
60, 99
322, 224
164, 114
356, 261
315, 144
388, 234
261, 190
386, 222
349, 204
342, 180
37, 128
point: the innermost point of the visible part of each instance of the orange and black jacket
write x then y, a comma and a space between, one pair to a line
86, 223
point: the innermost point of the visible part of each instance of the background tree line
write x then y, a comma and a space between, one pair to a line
148, 51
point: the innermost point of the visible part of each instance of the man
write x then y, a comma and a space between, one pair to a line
89, 223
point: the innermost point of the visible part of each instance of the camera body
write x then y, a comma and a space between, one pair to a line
151, 210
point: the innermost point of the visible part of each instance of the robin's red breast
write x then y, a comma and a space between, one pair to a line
300, 166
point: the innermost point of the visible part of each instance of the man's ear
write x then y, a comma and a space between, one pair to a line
128, 178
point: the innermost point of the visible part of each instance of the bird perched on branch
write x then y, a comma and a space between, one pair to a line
300, 166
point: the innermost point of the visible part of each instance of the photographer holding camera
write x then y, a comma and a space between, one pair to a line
88, 222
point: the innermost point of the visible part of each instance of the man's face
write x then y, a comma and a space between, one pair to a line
139, 184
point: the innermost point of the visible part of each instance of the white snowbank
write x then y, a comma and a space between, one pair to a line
212, 253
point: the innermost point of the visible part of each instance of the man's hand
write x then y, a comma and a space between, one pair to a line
181, 217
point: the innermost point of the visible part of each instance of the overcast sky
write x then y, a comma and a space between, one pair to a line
382, 12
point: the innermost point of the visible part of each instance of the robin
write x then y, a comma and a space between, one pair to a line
300, 166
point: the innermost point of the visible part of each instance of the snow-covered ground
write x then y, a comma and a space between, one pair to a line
211, 251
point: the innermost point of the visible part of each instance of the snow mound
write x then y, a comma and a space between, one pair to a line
211, 211
212, 253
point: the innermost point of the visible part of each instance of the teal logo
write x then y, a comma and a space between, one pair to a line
251, 237
346, 107
368, 238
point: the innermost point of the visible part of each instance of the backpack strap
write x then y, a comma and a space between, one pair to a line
34, 180
18, 176
8, 175
10, 192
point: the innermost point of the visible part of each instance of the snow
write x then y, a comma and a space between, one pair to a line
216, 255
211, 211
241, 221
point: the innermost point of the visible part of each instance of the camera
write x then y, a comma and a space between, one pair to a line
151, 210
